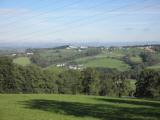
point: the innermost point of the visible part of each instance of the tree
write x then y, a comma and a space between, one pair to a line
69, 82
90, 81
50, 79
149, 58
8, 84
121, 85
148, 84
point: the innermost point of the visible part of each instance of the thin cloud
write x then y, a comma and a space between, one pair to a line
10, 11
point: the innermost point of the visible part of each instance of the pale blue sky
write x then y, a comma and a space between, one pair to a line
30, 21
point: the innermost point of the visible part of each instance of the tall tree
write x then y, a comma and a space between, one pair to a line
6, 75
90, 81
148, 84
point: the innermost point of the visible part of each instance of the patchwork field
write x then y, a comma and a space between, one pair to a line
78, 107
118, 58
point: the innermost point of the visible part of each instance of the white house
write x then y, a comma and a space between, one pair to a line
60, 65
14, 54
30, 53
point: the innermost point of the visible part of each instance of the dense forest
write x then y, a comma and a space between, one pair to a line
89, 81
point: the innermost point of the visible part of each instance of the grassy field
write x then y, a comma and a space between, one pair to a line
22, 61
69, 107
119, 53
106, 63
136, 59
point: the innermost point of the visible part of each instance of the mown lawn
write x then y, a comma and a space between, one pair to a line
22, 61
79, 107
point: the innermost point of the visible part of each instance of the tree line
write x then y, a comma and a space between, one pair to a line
90, 81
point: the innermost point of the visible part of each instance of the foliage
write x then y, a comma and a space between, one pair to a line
149, 58
90, 81
34, 79
148, 84
6, 74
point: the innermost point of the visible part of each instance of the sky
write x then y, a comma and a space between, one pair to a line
56, 21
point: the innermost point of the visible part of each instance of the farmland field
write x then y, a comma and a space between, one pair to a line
78, 107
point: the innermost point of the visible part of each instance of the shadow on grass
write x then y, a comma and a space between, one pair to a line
101, 111
132, 102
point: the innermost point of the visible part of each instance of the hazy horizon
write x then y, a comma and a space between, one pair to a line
78, 44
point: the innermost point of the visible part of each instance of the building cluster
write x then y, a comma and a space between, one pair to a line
73, 67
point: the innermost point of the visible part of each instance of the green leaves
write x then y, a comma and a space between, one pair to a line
148, 84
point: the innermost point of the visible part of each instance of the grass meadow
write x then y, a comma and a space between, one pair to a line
76, 107
22, 61
107, 63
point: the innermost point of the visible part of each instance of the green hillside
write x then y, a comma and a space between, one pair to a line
106, 63
136, 59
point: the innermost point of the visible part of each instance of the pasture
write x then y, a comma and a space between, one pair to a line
107, 63
76, 107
